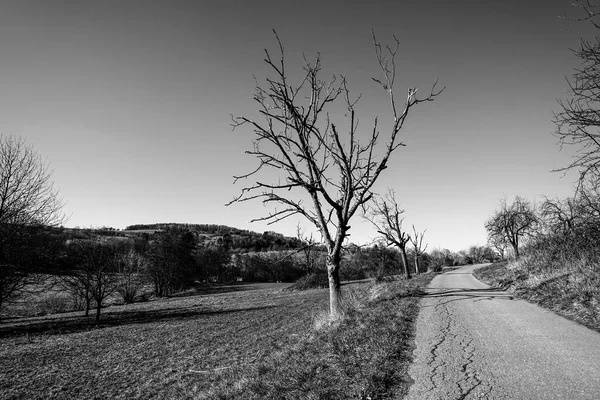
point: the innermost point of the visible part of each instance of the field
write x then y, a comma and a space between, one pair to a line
249, 341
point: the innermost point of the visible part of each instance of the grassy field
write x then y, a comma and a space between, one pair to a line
569, 288
250, 341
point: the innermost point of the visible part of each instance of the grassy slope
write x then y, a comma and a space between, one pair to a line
252, 344
571, 289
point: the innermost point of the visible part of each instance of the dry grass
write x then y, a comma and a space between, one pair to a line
568, 286
255, 344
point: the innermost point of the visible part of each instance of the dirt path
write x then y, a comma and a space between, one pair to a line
477, 343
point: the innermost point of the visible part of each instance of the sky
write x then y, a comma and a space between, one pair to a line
131, 101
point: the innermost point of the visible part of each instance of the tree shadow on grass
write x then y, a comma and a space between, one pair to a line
204, 289
75, 324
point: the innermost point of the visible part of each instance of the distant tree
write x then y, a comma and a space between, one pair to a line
417, 241
334, 171
93, 276
171, 261
438, 259
386, 216
308, 249
28, 200
131, 267
481, 254
211, 263
512, 223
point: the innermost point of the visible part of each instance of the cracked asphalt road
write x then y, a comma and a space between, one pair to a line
474, 342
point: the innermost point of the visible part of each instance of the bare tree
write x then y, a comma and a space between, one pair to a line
328, 175
588, 203
418, 250
578, 121
560, 216
130, 267
512, 223
386, 217
94, 275
28, 200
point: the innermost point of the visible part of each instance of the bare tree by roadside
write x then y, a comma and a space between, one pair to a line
386, 217
28, 200
560, 216
512, 223
328, 175
578, 119
418, 250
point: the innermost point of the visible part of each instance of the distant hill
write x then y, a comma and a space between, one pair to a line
212, 234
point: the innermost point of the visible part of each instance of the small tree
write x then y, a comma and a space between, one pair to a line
328, 175
560, 216
130, 268
28, 199
417, 241
386, 217
94, 275
512, 223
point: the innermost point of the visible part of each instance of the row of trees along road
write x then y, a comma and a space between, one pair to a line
386, 217
334, 170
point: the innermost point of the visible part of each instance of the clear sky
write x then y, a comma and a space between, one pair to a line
130, 101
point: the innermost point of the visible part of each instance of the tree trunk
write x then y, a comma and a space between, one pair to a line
515, 246
98, 307
88, 301
417, 265
405, 262
335, 287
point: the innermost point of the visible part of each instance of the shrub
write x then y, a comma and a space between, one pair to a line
313, 280
54, 304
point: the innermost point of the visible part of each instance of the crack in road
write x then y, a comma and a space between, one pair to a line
435, 359
497, 349
501, 348
450, 357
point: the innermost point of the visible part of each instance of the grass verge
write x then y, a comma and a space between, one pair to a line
363, 356
569, 287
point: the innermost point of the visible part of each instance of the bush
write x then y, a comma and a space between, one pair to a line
54, 304
313, 280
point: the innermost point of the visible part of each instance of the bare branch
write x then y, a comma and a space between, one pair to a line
298, 139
